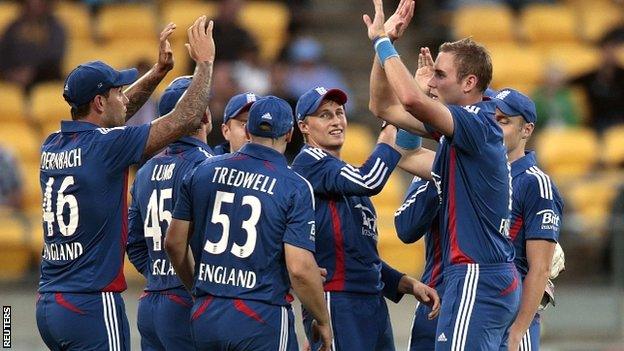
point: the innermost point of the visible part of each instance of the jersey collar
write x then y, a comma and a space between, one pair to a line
523, 163
264, 153
77, 126
186, 143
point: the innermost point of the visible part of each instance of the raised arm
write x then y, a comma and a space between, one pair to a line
187, 115
404, 86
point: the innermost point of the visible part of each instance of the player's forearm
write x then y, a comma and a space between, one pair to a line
182, 262
404, 86
418, 162
139, 92
309, 288
532, 292
187, 115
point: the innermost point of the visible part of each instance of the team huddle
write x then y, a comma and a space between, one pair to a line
225, 234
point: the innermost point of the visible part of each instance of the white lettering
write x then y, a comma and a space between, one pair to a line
227, 276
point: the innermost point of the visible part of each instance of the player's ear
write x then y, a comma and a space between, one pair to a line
527, 130
98, 103
470, 83
225, 130
303, 127
289, 135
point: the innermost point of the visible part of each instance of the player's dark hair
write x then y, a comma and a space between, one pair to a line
82, 111
471, 58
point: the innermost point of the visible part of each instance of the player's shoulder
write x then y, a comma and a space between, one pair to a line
534, 181
310, 155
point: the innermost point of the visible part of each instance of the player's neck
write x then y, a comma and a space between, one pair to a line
515, 154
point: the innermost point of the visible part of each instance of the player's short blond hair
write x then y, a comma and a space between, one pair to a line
471, 58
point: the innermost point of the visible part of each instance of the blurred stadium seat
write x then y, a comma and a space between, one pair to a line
405, 258
75, 16
592, 200
613, 146
597, 17
574, 58
184, 13
567, 153
8, 12
268, 22
485, 23
359, 143
128, 21
544, 24
21, 140
32, 185
48, 104
12, 107
15, 257
516, 64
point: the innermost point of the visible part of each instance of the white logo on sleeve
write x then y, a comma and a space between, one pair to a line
550, 220
442, 338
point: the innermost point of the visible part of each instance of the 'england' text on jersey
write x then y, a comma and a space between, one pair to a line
61, 160
238, 178
228, 276
62, 252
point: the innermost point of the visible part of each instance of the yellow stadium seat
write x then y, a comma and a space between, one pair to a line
48, 104
184, 13
597, 17
12, 107
75, 16
81, 51
516, 64
549, 23
19, 138
128, 21
567, 152
126, 56
613, 147
404, 257
268, 22
14, 250
359, 143
485, 23
32, 184
9, 11
392, 193
592, 200
575, 59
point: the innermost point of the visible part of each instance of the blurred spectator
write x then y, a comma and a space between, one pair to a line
223, 88
148, 112
11, 194
279, 73
554, 102
231, 40
604, 86
33, 45
308, 70
250, 73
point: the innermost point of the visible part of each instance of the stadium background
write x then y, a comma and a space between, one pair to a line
528, 40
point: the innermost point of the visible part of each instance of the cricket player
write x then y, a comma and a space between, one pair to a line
165, 306
250, 221
472, 176
535, 218
357, 279
84, 169
234, 118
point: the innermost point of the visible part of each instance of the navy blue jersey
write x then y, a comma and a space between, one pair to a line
222, 149
155, 188
418, 217
537, 208
473, 179
346, 219
244, 206
84, 180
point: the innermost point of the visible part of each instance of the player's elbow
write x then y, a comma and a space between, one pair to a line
539, 270
410, 100
172, 247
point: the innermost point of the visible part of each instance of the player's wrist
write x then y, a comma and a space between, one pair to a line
384, 48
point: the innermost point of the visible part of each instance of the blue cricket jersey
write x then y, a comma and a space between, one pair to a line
473, 178
346, 219
418, 217
244, 207
537, 208
156, 186
84, 180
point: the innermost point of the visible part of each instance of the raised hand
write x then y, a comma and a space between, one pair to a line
397, 23
322, 332
425, 69
375, 26
165, 54
201, 45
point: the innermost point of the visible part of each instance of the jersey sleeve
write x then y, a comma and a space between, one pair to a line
542, 208
122, 146
329, 175
137, 247
391, 277
183, 208
300, 226
470, 129
414, 218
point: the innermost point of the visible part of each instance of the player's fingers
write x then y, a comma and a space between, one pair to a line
209, 28
410, 11
367, 20
202, 26
403, 7
188, 47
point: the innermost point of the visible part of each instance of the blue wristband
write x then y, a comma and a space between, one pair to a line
407, 140
384, 49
